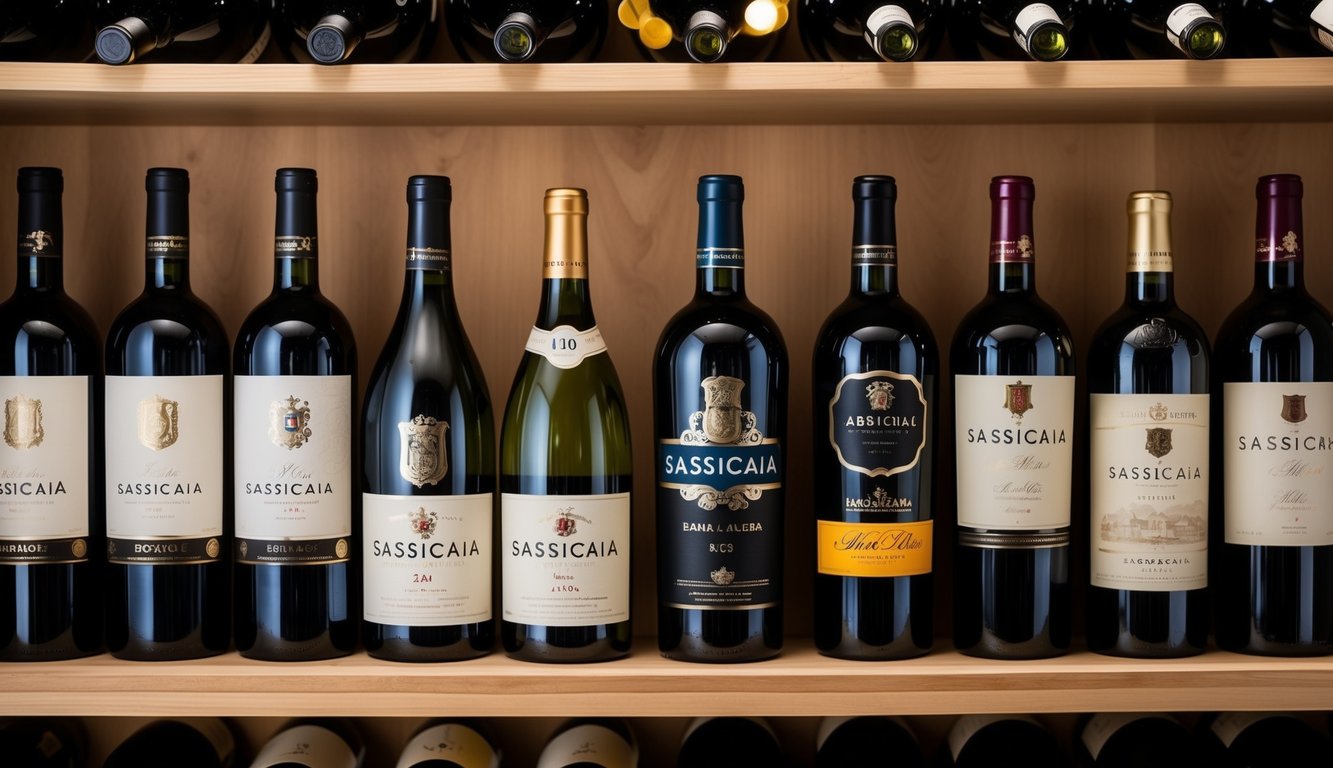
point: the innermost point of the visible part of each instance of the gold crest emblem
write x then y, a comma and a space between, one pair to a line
289, 423
1293, 409
23, 423
1289, 242
158, 422
1159, 442
1025, 246
722, 576
79, 548
1018, 398
1157, 412
880, 395
39, 239
341, 549
423, 523
212, 548
722, 409
421, 456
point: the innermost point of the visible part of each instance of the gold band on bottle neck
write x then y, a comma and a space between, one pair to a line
1149, 232
566, 254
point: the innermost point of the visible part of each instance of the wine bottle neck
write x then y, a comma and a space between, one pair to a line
167, 240
296, 241
518, 37
874, 246
131, 38
720, 252
1279, 235
41, 242
1013, 265
1150, 269
565, 296
429, 252
333, 38
890, 31
1157, 288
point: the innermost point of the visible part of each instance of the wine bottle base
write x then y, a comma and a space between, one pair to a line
316, 649
1268, 648
26, 653
859, 652
165, 652
991, 647
548, 654
416, 651
1133, 649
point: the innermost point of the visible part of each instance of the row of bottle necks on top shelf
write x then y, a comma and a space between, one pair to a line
338, 31
138, 490
1121, 740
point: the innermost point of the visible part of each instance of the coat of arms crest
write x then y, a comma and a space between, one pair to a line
23, 423
422, 459
158, 420
289, 422
880, 395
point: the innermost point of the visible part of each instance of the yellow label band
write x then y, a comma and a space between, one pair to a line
876, 550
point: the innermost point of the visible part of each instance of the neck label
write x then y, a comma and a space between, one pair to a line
884, 17
1020, 251
565, 346
294, 247
1150, 261
167, 247
430, 259
874, 255
1029, 19
1181, 19
40, 243
1285, 248
720, 258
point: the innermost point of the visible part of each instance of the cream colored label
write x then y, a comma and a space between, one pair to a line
1027, 20
310, 745
452, 743
1278, 445
565, 559
427, 559
1101, 727
1180, 18
591, 743
44, 460
884, 16
293, 457
565, 346
164, 456
1015, 437
1149, 466
967, 726
1322, 18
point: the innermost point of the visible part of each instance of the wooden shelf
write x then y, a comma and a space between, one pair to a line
1277, 90
799, 683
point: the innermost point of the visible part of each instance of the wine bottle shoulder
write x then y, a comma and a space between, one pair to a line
181, 323
871, 322
1012, 324
1265, 323
1140, 328
729, 322
48, 322
296, 324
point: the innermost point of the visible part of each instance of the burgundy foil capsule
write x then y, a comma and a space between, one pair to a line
1011, 220
1277, 228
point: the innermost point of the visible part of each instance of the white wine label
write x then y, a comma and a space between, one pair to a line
1278, 447
449, 743
1228, 725
164, 468
1027, 20
1180, 18
967, 726
1015, 438
44, 485
427, 559
1101, 727
293, 459
589, 744
565, 346
884, 16
1322, 18
565, 559
311, 745
1149, 492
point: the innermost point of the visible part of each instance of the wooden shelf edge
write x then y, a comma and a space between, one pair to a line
1240, 90
798, 683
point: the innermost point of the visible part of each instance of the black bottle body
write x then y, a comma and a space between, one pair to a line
1001, 741
46, 30
867, 742
1266, 28
44, 742
1262, 740
355, 31
202, 742
538, 31
1129, 740
719, 742
865, 30
166, 32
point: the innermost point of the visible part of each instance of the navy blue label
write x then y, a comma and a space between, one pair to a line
877, 422
719, 510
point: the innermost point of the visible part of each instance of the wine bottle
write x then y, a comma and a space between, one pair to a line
1267, 28
1156, 29
871, 30
313, 743
724, 742
565, 469
875, 387
1001, 741
355, 31
1012, 29
46, 30
199, 742
1273, 557
443, 744
1148, 384
428, 487
867, 742
1134, 740
720, 400
51, 541
1013, 365
202, 32
43, 742
602, 743
526, 30
1263, 740
707, 30
168, 485
295, 503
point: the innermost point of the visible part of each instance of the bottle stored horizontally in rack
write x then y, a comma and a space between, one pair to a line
1001, 741
725, 742
168, 492
313, 743
446, 744
527, 30
1012, 29
599, 743
876, 368
46, 30
202, 32
1272, 554
565, 469
871, 30
1137, 740
51, 530
44, 742
1148, 375
867, 742
428, 477
1013, 368
355, 31
706, 30
1263, 740
199, 742
1154, 29
1266, 28
295, 391
720, 408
